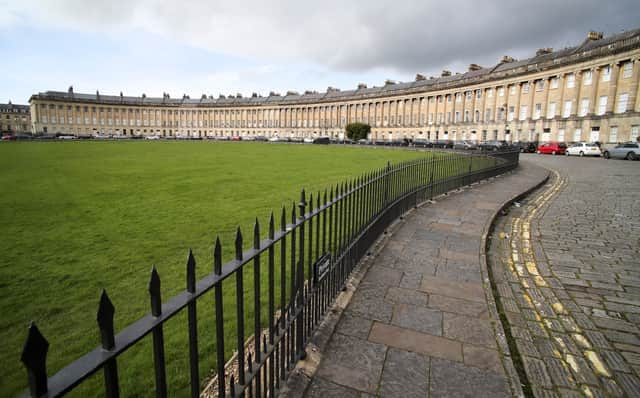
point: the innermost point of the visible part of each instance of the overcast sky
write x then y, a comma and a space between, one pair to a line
225, 47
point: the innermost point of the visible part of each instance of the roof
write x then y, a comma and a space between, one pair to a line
14, 108
589, 49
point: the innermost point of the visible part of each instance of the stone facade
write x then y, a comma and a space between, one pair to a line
14, 119
584, 93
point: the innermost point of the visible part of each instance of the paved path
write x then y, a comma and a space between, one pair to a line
567, 266
422, 321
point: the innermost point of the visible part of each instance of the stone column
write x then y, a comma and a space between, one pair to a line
595, 83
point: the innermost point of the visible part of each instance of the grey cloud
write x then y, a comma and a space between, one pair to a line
402, 35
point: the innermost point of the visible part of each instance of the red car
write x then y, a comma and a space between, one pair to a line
236, 138
554, 148
8, 138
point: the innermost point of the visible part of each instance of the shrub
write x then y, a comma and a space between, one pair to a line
358, 131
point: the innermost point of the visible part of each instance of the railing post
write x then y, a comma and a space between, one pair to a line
300, 274
104, 317
217, 269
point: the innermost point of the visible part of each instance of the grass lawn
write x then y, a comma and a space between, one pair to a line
76, 217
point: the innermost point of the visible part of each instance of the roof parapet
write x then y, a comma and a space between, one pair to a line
593, 35
543, 51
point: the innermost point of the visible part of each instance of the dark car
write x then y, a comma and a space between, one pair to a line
527, 147
443, 144
422, 143
493, 145
321, 140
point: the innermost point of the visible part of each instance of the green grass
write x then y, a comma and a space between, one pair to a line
76, 217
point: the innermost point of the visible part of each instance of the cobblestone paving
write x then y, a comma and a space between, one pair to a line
422, 321
567, 269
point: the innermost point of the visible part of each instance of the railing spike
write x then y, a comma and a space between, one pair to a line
105, 314
293, 213
217, 257
303, 200
238, 244
249, 363
271, 227
154, 292
191, 272
256, 235
325, 196
34, 357
264, 343
283, 219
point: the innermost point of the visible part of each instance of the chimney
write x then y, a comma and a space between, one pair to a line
593, 36
420, 77
389, 82
144, 95
506, 59
473, 67
71, 90
445, 73
273, 94
254, 95
361, 86
545, 50
238, 95
332, 89
291, 92
221, 96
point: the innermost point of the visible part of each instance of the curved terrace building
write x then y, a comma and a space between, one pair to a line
584, 93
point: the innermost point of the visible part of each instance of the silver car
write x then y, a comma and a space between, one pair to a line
629, 151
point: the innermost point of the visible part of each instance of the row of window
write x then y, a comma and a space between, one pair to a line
621, 107
298, 117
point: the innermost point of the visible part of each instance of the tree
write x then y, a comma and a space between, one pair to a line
358, 131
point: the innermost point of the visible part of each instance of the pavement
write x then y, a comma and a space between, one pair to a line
419, 318
566, 264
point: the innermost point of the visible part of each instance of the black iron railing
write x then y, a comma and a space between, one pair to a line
308, 261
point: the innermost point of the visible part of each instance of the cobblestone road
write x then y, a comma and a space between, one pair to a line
567, 269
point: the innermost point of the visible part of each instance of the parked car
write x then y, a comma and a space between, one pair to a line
583, 149
308, 140
152, 137
261, 138
629, 151
468, 145
8, 138
274, 139
443, 144
493, 145
249, 138
66, 137
321, 140
422, 143
236, 138
553, 148
526, 146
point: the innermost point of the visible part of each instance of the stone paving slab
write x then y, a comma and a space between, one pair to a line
422, 320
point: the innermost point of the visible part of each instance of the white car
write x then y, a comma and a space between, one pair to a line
583, 149
274, 139
308, 140
152, 137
